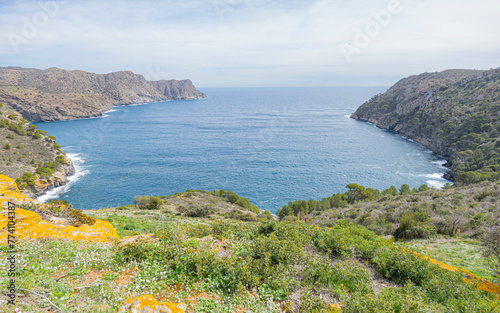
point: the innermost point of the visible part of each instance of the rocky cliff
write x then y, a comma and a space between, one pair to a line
454, 113
31, 157
56, 94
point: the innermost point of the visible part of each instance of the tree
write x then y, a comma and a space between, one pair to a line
414, 225
356, 193
6, 147
392, 191
404, 190
232, 197
423, 187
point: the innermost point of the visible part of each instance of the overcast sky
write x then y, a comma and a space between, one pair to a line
223, 43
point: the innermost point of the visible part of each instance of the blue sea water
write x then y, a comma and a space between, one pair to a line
270, 145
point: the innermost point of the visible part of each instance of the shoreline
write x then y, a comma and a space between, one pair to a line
446, 176
112, 109
77, 171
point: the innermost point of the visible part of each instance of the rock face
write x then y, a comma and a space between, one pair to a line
30, 225
56, 94
450, 112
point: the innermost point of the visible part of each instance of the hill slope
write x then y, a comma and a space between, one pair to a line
56, 94
216, 264
454, 113
31, 157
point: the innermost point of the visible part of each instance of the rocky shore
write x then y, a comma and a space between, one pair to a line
55, 94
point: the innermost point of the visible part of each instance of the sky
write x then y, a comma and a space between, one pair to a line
253, 43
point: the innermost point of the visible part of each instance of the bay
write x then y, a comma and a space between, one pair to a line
270, 145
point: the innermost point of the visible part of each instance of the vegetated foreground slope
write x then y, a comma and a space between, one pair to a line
30, 156
219, 264
56, 94
466, 210
454, 113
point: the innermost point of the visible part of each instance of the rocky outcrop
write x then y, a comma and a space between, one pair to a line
45, 184
56, 94
31, 225
148, 304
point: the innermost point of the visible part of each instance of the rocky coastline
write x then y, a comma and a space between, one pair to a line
452, 113
55, 94
45, 184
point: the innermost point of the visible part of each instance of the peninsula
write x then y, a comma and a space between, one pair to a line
55, 94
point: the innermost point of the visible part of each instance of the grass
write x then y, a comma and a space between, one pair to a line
462, 253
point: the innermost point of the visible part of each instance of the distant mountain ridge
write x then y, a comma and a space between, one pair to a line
56, 94
454, 113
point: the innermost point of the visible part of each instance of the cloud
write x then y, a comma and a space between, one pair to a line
253, 42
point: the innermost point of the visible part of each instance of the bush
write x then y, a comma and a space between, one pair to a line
415, 225
196, 210
148, 202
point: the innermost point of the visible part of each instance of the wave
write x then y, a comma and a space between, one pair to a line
435, 183
439, 162
434, 176
80, 171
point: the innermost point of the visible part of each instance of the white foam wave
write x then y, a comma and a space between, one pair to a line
435, 183
433, 176
80, 171
110, 110
439, 162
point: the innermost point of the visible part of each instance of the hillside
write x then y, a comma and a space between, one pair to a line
55, 94
72, 262
30, 156
453, 113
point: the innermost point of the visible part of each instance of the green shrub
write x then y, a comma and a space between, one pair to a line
148, 202
196, 210
415, 225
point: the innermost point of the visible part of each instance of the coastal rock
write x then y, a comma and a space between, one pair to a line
58, 179
30, 225
148, 304
55, 94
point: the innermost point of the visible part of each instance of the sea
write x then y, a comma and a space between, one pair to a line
270, 145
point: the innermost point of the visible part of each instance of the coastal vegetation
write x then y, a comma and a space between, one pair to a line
29, 154
220, 264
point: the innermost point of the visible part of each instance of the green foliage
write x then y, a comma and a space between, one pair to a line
355, 194
28, 178
47, 168
196, 210
7, 146
231, 197
148, 202
415, 225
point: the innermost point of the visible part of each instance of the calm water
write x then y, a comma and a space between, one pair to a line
271, 145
